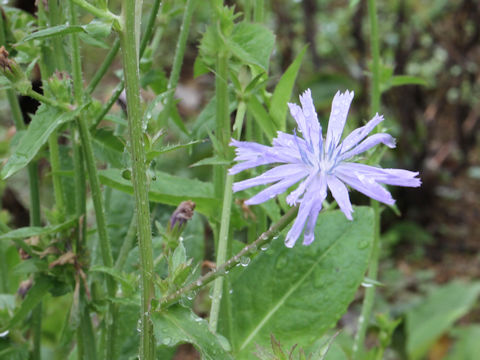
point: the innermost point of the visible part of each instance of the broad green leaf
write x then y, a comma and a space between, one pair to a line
39, 289
252, 44
169, 189
178, 324
29, 231
261, 117
467, 346
426, 322
298, 294
108, 147
283, 91
44, 122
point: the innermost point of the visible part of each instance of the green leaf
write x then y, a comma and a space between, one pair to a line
400, 80
283, 91
169, 189
298, 294
117, 275
53, 31
95, 29
108, 147
426, 322
152, 154
213, 160
252, 44
467, 346
261, 116
34, 296
44, 122
178, 324
30, 231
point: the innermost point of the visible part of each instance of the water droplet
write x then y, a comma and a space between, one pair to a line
139, 325
367, 285
264, 247
363, 244
5, 333
230, 291
167, 341
276, 237
199, 282
244, 261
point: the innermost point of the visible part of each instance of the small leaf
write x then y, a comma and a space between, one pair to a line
152, 154
53, 31
283, 91
213, 160
29, 231
178, 324
117, 275
44, 122
261, 117
34, 296
252, 44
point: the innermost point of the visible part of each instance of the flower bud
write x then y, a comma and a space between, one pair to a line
12, 71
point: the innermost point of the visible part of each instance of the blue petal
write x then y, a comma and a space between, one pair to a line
368, 143
272, 175
397, 177
340, 194
338, 117
359, 134
275, 189
365, 185
314, 130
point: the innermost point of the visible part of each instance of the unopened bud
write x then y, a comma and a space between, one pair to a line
182, 214
12, 71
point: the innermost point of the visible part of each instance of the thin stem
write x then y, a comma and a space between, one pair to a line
102, 70
247, 251
127, 243
139, 176
37, 331
368, 301
178, 58
95, 190
118, 90
221, 252
46, 100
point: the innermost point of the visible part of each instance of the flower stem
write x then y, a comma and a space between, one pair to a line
247, 251
221, 252
139, 176
369, 298
102, 70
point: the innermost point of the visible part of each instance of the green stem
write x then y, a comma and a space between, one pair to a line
178, 58
221, 252
369, 298
46, 100
248, 251
37, 331
103, 14
127, 244
96, 192
139, 175
55, 166
118, 90
102, 70
258, 11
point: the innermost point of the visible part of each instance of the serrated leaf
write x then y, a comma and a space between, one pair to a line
29, 231
44, 122
429, 320
252, 44
298, 294
169, 189
178, 324
283, 91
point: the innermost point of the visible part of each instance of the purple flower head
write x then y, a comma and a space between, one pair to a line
320, 163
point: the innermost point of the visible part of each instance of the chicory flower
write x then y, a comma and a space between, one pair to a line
319, 164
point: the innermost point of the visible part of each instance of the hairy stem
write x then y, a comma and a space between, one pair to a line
139, 175
247, 251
